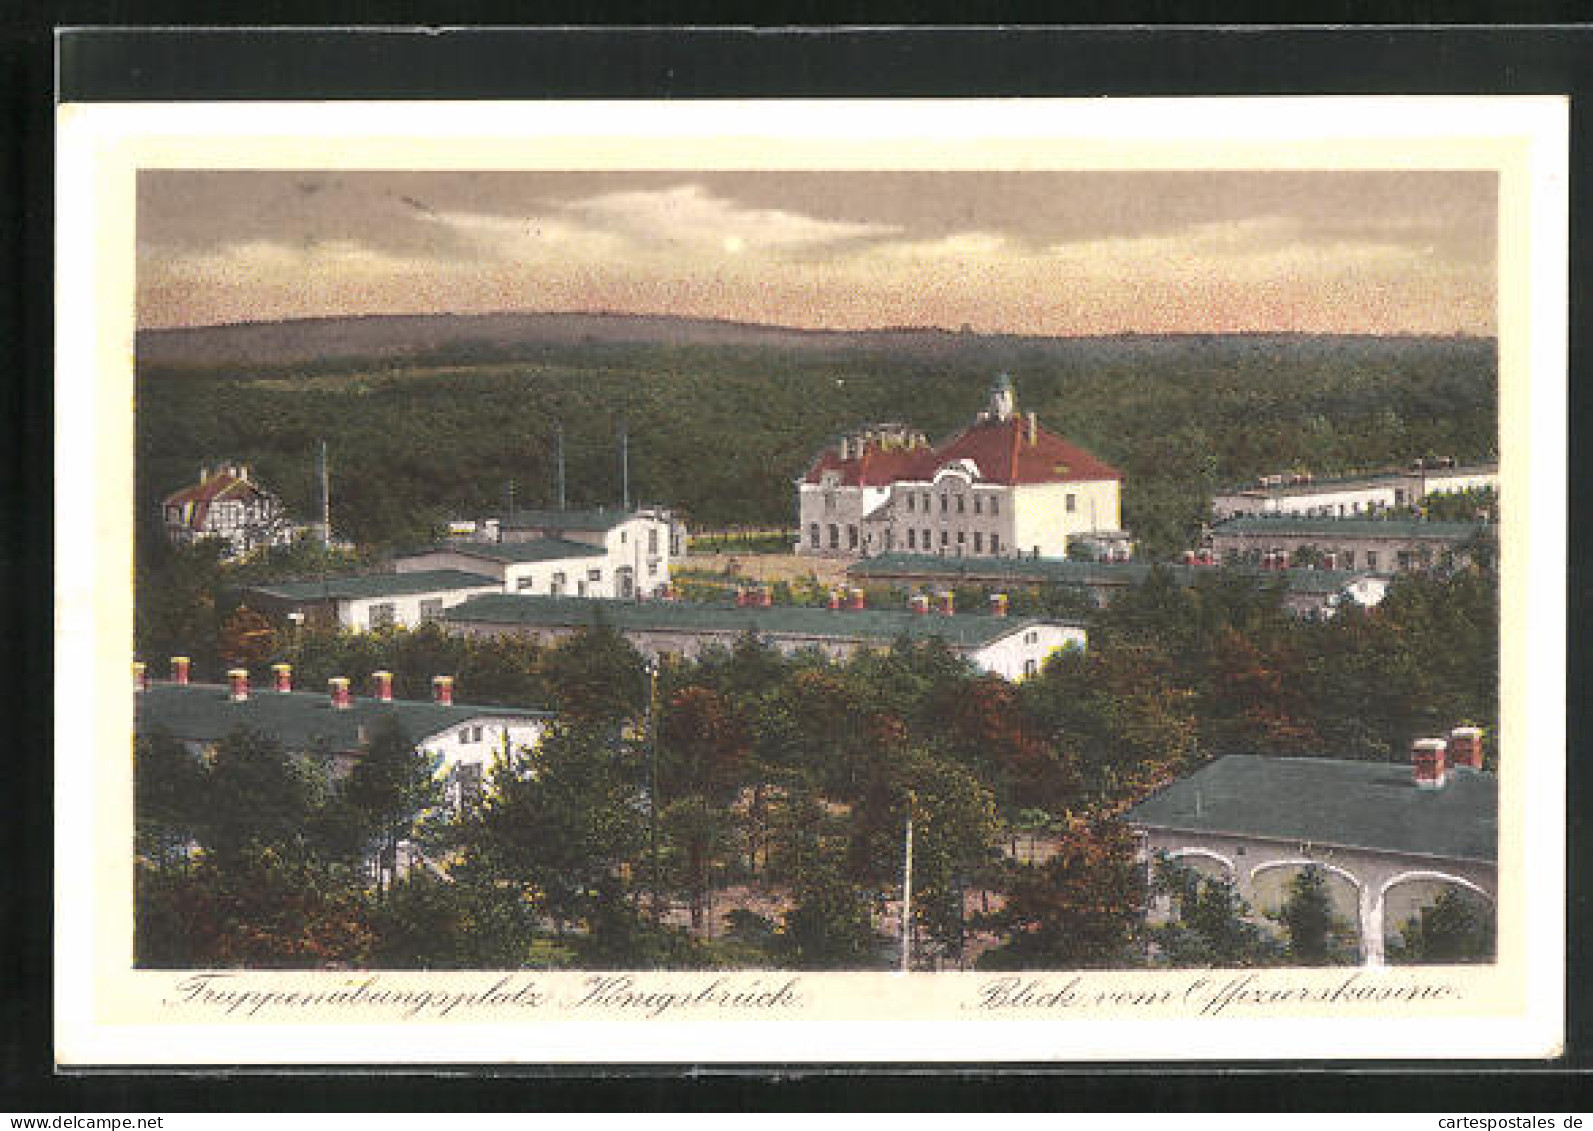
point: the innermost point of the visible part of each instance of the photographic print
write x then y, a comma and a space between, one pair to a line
937, 571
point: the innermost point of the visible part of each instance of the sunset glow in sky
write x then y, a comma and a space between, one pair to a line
1029, 252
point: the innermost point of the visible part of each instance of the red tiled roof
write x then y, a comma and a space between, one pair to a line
999, 448
876, 467
1003, 454
196, 500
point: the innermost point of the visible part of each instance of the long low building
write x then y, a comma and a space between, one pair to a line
1387, 837
1352, 495
1373, 544
550, 566
1012, 647
338, 724
372, 600
1303, 591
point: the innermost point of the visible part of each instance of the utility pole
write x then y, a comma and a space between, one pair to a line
907, 892
652, 773
558, 437
326, 504
625, 466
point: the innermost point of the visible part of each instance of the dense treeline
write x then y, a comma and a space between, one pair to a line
721, 431
747, 808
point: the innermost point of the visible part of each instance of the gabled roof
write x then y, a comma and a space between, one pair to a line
1003, 454
300, 720
1302, 525
376, 585
589, 520
1326, 801
872, 625
536, 550
1062, 571
876, 467
197, 499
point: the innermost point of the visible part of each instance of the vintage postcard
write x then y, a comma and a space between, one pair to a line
806, 582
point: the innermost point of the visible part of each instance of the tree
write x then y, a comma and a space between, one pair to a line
1209, 926
256, 796
597, 677
389, 787
1314, 935
1078, 909
168, 797
247, 639
1455, 928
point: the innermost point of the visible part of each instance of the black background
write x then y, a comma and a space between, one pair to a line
1086, 58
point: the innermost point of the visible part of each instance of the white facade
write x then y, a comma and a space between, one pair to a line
1347, 498
469, 750
405, 610
1019, 655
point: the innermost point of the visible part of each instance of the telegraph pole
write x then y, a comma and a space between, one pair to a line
907, 892
625, 466
559, 437
326, 504
652, 773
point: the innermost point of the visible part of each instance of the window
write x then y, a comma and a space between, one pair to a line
475, 734
594, 575
979, 542
835, 537
464, 735
1371, 559
525, 584
945, 538
962, 506
623, 536
909, 502
925, 543
652, 539
652, 568
960, 537
382, 615
912, 538
430, 609
995, 543
851, 537
813, 535
468, 777
1349, 558
1073, 503
944, 504
580, 587
556, 586
829, 500
979, 505
1030, 667
995, 505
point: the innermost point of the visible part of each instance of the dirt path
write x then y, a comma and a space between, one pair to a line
771, 567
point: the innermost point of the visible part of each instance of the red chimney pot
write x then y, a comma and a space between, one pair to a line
179, 670
238, 685
442, 690
339, 689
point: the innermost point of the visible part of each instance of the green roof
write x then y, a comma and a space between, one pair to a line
300, 720
598, 519
1061, 571
1325, 801
376, 585
959, 630
536, 550
1296, 525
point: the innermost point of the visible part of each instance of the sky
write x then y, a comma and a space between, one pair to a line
1052, 253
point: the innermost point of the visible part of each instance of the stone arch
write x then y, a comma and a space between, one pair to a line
1392, 915
1354, 906
1206, 854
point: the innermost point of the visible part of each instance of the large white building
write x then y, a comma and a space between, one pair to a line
613, 555
1001, 487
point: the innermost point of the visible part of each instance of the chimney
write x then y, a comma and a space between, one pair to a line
1465, 748
282, 674
1330, 560
1189, 557
339, 689
765, 596
442, 690
855, 600
1205, 557
238, 684
919, 603
179, 670
945, 602
1034, 430
1427, 763
741, 598
140, 676
383, 682
998, 604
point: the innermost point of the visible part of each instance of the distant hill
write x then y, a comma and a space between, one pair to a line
399, 337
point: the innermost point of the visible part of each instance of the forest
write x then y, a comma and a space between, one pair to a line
747, 811
721, 431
